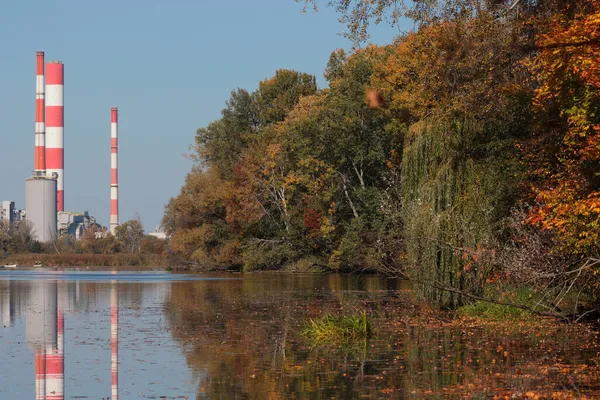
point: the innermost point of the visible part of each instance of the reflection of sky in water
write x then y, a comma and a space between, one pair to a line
184, 335
150, 362
99, 276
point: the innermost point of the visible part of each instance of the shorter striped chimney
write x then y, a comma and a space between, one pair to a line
40, 115
114, 174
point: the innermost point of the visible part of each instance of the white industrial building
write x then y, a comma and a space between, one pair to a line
10, 214
7, 211
158, 233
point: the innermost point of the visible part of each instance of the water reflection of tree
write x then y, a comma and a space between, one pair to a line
242, 338
244, 335
512, 357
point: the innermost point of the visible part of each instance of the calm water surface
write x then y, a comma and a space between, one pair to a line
93, 335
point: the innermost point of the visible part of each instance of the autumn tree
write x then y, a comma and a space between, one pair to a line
22, 238
356, 144
220, 204
196, 220
97, 240
129, 236
318, 173
359, 15
458, 103
564, 149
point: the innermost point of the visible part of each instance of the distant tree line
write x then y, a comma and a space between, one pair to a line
129, 238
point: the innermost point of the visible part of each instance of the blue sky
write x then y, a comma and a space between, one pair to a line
168, 65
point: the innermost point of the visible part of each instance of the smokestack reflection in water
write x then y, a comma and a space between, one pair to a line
114, 338
45, 337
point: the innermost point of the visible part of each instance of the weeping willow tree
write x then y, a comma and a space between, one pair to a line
452, 192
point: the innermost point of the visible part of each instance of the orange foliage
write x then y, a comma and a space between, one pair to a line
567, 158
458, 65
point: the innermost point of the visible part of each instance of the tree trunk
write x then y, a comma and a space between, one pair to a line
350, 202
359, 174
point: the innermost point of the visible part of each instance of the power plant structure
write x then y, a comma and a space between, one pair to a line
114, 170
40, 115
44, 190
41, 187
74, 223
40, 206
55, 128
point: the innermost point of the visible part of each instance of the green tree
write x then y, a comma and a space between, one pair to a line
221, 143
277, 96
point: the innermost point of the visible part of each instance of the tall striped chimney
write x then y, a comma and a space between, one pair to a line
55, 127
114, 174
40, 113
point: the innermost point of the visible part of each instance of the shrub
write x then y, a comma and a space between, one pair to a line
337, 329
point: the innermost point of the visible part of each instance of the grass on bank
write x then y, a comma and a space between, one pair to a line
525, 296
337, 329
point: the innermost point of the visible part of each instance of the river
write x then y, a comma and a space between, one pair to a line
155, 335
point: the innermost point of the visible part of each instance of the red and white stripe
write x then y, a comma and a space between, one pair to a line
55, 362
40, 113
114, 340
114, 172
54, 375
55, 79
40, 375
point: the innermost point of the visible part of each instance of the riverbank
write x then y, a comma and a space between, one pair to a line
87, 260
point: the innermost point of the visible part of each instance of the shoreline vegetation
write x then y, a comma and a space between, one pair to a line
128, 247
463, 156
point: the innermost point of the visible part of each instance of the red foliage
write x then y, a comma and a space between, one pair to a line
312, 219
